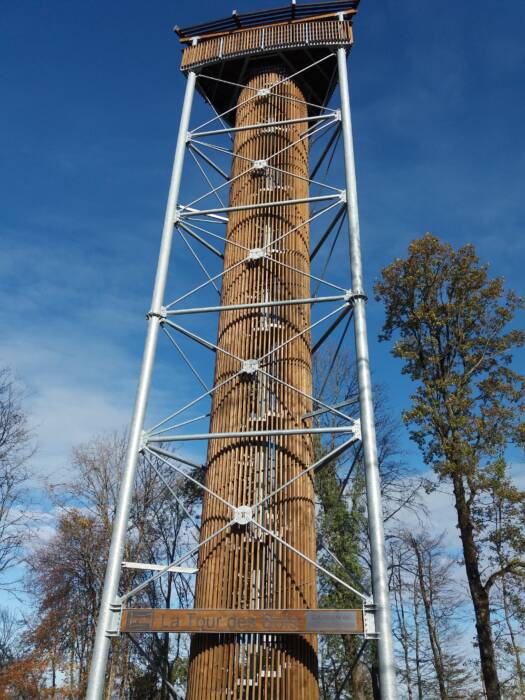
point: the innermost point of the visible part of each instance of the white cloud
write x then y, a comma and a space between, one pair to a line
442, 518
73, 392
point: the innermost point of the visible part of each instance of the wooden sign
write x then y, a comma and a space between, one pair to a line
243, 621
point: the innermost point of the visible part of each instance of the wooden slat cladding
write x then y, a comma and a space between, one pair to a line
265, 39
243, 621
244, 568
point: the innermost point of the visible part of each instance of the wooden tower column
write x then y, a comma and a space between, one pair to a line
245, 568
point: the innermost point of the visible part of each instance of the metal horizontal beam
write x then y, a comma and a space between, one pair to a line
243, 621
249, 434
264, 125
159, 567
184, 212
191, 211
256, 305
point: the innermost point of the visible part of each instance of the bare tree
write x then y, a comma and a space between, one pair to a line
8, 636
21, 672
401, 628
426, 579
15, 450
428, 604
507, 519
68, 571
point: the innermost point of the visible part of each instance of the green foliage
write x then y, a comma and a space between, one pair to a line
340, 526
67, 573
451, 319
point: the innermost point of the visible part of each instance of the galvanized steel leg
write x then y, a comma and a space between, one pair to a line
109, 596
373, 488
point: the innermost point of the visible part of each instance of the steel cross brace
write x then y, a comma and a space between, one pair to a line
254, 165
243, 261
243, 515
259, 361
269, 89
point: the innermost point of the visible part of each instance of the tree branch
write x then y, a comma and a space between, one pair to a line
515, 566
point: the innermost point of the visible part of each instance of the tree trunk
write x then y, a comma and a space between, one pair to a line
434, 641
401, 621
359, 683
374, 675
110, 678
417, 646
516, 651
72, 683
124, 652
478, 592
512, 635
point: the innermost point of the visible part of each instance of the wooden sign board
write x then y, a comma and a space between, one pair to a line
243, 621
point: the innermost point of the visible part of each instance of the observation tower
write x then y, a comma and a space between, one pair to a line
265, 214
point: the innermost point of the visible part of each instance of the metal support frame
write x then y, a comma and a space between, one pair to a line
348, 304
373, 487
99, 659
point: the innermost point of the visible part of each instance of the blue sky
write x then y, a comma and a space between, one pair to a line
91, 94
